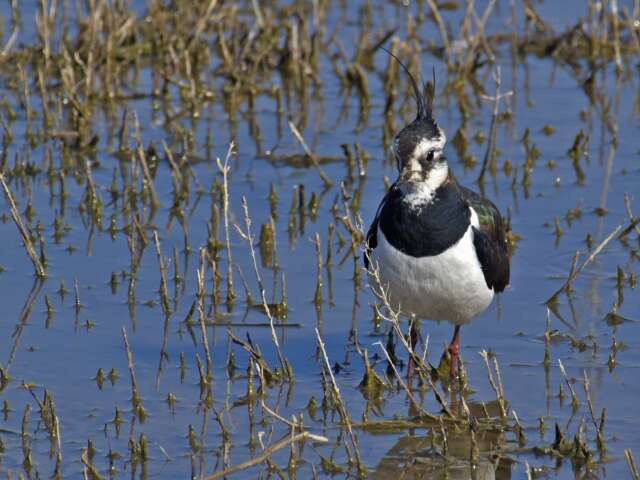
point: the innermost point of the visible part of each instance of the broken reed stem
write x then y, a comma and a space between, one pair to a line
632, 218
76, 303
90, 468
276, 415
493, 129
224, 169
575, 271
616, 35
201, 25
527, 470
22, 230
599, 427
267, 452
587, 392
480, 29
498, 391
142, 158
318, 294
164, 293
632, 464
201, 313
263, 295
327, 181
498, 376
135, 398
416, 405
574, 398
338, 397
58, 442
433, 6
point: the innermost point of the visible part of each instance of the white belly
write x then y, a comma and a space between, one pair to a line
449, 286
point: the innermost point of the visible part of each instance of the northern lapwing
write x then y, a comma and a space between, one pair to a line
440, 248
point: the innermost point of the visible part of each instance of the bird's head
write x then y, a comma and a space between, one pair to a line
418, 147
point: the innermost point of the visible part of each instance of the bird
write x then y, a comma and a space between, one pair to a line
439, 248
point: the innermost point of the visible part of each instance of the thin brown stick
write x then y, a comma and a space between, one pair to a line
270, 450
493, 129
164, 293
416, 405
224, 169
246, 235
441, 28
340, 403
142, 158
135, 398
22, 230
202, 315
496, 389
10, 42
574, 398
202, 23
575, 271
587, 392
327, 181
632, 218
276, 415
92, 470
632, 464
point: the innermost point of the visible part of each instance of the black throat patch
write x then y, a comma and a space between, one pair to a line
428, 230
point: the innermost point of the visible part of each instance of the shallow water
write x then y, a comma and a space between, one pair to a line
63, 352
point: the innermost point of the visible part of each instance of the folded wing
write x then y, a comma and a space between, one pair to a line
489, 240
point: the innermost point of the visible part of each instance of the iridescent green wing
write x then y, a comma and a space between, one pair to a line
489, 240
491, 223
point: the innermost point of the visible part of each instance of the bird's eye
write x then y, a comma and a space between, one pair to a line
430, 155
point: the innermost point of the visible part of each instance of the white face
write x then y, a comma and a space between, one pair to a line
426, 153
420, 189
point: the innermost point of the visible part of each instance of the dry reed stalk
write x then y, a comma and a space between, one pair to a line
441, 28
22, 230
574, 398
314, 160
202, 315
246, 235
224, 170
267, 452
414, 402
164, 292
497, 389
344, 414
616, 35
7, 46
142, 158
632, 464
135, 397
92, 471
575, 270
527, 470
489, 156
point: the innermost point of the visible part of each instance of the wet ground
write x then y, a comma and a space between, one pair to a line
93, 180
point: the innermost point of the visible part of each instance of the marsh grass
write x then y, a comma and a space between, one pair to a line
78, 98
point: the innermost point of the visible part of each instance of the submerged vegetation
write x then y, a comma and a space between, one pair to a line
185, 185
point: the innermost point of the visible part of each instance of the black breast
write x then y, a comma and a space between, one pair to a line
428, 230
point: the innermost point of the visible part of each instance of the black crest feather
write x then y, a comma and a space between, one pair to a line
424, 106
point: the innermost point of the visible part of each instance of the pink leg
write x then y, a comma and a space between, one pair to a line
454, 349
